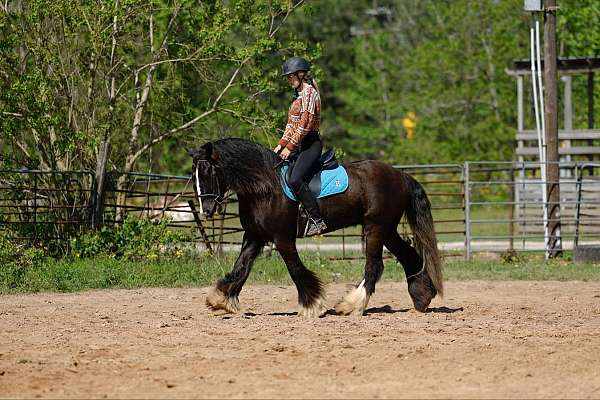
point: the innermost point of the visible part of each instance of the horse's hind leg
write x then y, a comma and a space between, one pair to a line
309, 286
356, 301
225, 295
420, 286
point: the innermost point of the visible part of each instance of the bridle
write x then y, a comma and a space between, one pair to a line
214, 183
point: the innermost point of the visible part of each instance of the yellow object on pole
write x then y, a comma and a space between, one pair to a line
409, 122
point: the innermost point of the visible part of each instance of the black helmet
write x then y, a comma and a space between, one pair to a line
295, 64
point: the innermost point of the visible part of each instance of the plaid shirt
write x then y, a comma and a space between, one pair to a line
304, 116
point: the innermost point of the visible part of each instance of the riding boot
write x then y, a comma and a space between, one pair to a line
316, 225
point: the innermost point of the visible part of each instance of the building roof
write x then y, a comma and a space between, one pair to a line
571, 65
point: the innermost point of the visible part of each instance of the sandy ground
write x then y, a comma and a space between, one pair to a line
484, 339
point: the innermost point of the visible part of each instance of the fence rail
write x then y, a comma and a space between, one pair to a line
510, 194
476, 206
46, 208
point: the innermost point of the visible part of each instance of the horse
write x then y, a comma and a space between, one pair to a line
377, 197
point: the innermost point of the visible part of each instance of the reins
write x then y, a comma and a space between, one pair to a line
283, 160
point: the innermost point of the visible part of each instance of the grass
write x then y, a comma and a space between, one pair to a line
69, 275
527, 270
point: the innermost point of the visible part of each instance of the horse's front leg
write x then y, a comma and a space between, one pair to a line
309, 286
225, 295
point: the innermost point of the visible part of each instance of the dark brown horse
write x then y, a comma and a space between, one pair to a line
377, 197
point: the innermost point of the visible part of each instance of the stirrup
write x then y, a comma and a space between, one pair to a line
314, 227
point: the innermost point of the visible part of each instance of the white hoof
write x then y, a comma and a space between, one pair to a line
355, 302
316, 310
216, 300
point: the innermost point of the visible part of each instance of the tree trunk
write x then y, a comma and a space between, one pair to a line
100, 181
103, 151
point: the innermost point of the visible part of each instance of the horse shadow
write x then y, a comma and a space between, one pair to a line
387, 309
443, 310
283, 314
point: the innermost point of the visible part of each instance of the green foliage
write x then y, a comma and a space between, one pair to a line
17, 261
136, 238
444, 60
579, 27
78, 74
578, 34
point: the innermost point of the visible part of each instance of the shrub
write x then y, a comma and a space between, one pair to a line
512, 257
16, 260
136, 238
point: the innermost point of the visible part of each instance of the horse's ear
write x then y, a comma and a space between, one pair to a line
214, 155
207, 149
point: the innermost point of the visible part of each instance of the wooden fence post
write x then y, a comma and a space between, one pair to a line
200, 227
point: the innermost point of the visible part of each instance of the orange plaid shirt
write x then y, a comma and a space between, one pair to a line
304, 116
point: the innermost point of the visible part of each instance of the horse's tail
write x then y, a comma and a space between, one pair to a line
420, 220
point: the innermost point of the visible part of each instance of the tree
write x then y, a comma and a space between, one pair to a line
98, 85
444, 61
578, 34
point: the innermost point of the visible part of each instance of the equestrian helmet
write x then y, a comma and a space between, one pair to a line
295, 64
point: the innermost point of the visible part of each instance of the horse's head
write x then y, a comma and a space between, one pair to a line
208, 180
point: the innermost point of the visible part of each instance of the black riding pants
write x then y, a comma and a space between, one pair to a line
305, 166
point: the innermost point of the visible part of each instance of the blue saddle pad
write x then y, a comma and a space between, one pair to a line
333, 181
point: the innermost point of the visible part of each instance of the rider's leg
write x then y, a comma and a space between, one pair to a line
305, 165
316, 225
303, 171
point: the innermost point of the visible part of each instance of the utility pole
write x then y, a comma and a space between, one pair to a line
551, 122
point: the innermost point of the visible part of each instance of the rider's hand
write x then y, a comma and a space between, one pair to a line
276, 149
285, 153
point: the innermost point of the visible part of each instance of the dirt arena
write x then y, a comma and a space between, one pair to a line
485, 339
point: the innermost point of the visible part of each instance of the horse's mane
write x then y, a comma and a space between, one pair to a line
248, 167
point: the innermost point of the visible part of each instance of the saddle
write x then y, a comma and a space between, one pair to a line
331, 179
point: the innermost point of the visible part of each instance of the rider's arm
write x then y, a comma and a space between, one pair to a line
287, 134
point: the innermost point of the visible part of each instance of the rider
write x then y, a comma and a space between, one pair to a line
301, 136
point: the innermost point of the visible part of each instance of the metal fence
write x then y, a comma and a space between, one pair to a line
172, 197
444, 185
46, 208
504, 207
587, 212
476, 206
